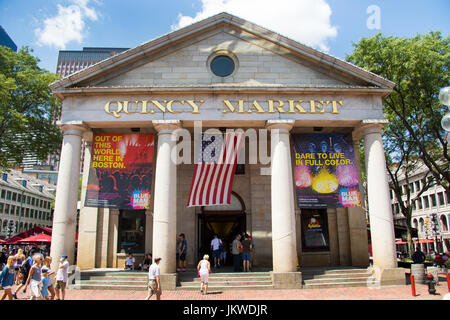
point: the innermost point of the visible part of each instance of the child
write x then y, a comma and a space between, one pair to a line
45, 282
51, 289
7, 278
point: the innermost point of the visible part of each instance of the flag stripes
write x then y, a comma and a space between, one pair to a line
214, 173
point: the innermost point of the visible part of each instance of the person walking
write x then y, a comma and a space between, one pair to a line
47, 263
216, 245
7, 278
62, 277
34, 277
44, 282
204, 269
24, 270
20, 257
183, 251
154, 280
246, 250
235, 251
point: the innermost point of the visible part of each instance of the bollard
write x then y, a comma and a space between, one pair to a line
448, 281
413, 286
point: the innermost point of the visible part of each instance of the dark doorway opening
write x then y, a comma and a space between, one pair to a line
225, 225
225, 221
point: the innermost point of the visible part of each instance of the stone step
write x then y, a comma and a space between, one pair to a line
227, 283
342, 275
224, 288
332, 271
336, 280
237, 279
239, 274
112, 287
328, 285
117, 282
116, 278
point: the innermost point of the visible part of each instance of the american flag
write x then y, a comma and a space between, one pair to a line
214, 169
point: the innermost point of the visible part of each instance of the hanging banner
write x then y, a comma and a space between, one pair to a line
325, 173
120, 174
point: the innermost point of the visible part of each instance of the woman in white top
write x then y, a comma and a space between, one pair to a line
204, 268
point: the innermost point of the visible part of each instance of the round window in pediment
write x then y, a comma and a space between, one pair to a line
222, 66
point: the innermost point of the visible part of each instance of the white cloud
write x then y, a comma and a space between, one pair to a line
306, 21
68, 25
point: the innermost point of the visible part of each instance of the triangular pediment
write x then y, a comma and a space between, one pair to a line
263, 58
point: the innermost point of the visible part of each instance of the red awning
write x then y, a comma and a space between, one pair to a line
400, 242
425, 241
39, 238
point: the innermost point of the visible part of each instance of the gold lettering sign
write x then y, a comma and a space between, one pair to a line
116, 108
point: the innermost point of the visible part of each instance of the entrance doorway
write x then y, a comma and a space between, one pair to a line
225, 221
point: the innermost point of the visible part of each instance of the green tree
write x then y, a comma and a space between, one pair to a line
28, 109
414, 137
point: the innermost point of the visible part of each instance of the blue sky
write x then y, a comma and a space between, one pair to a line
48, 26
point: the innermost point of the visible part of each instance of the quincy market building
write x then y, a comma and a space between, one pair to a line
227, 73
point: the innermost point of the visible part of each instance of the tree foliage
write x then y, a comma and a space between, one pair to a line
414, 139
28, 109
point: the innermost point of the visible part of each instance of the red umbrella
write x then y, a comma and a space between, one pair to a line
39, 238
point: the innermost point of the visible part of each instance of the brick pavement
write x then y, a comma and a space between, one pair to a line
383, 293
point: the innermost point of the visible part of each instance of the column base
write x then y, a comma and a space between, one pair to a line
169, 281
389, 276
287, 280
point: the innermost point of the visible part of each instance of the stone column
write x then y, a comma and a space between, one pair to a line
87, 226
380, 212
357, 221
65, 214
165, 202
282, 198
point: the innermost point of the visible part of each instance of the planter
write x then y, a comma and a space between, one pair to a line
418, 271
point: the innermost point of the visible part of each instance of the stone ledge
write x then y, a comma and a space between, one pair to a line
389, 276
169, 281
287, 280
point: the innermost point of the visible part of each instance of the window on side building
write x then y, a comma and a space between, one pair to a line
433, 200
441, 199
426, 202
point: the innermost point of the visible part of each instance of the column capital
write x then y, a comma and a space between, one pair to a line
88, 137
285, 124
369, 126
73, 127
166, 126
